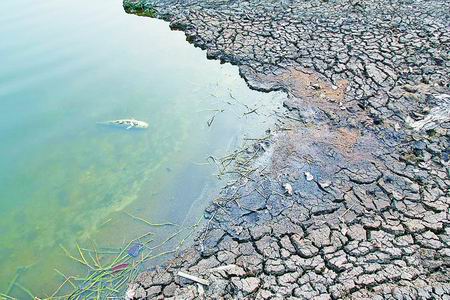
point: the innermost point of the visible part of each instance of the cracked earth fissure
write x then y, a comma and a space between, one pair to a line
367, 115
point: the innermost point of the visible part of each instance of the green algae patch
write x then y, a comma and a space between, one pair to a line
138, 8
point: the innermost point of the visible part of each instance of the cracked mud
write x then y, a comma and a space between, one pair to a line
363, 142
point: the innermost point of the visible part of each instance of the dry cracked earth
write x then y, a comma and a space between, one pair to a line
348, 198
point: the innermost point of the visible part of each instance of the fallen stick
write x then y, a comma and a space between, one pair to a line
193, 278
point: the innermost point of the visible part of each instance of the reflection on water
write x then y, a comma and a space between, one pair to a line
67, 65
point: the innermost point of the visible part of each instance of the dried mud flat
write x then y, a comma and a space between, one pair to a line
348, 198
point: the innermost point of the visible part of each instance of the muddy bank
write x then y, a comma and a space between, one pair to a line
348, 196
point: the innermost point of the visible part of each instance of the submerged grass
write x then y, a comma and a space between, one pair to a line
108, 272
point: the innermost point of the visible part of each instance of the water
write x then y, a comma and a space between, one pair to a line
66, 65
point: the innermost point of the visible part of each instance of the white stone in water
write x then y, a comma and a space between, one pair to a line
309, 176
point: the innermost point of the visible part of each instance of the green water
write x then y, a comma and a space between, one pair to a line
66, 65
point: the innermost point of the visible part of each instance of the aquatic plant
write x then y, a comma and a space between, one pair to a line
138, 8
110, 279
108, 271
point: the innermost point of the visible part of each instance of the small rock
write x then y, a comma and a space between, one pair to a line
288, 189
309, 176
324, 184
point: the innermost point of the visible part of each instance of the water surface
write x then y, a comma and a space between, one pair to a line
66, 65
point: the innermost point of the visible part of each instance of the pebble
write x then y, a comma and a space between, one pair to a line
309, 176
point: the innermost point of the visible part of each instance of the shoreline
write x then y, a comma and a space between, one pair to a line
349, 197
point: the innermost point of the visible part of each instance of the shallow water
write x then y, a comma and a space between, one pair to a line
66, 65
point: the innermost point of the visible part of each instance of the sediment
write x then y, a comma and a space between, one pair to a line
349, 197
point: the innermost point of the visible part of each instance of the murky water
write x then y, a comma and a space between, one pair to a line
66, 65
